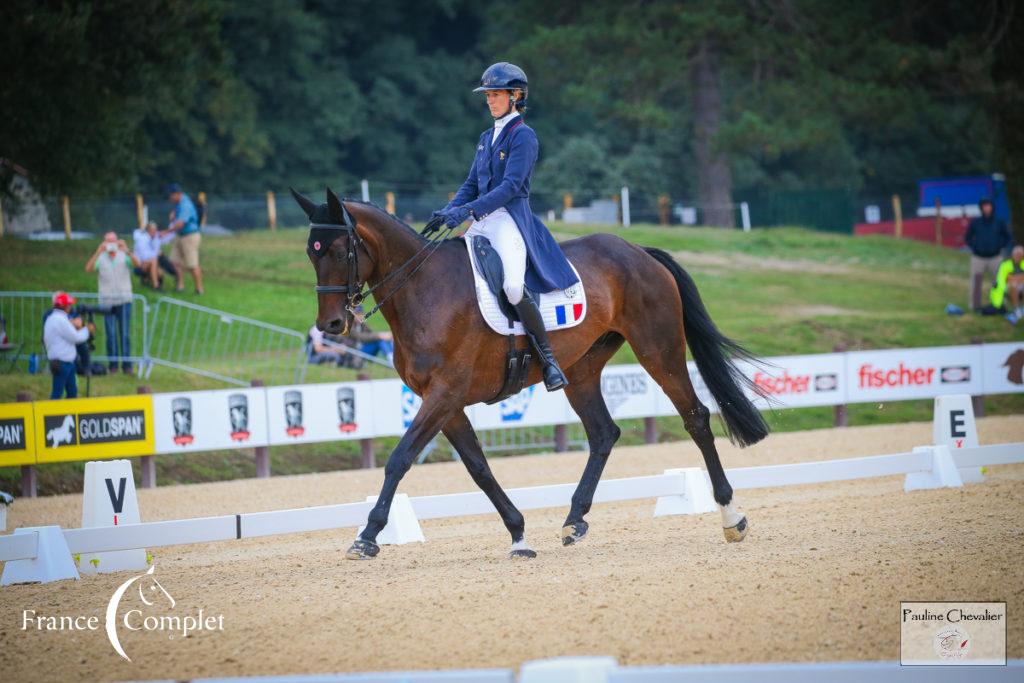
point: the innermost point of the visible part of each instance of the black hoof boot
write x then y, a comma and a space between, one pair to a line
362, 550
533, 323
572, 533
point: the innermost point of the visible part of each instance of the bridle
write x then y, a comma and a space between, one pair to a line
353, 287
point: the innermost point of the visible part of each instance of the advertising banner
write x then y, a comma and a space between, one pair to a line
531, 407
306, 413
798, 381
93, 428
103, 428
1004, 368
629, 391
210, 420
17, 434
901, 374
394, 406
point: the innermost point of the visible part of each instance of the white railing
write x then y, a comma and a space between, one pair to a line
935, 460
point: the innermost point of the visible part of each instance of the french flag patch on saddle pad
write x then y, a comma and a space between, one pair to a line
560, 309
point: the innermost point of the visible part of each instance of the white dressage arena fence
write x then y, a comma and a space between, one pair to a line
29, 551
608, 670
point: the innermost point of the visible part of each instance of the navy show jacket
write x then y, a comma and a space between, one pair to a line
500, 177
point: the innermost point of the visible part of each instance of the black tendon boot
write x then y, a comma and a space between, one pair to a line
529, 314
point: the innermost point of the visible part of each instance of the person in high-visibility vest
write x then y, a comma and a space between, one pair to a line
1009, 287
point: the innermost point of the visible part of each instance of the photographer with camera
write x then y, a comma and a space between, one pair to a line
114, 262
61, 334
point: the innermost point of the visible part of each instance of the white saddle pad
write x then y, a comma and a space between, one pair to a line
561, 309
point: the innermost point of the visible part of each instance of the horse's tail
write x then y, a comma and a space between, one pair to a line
711, 351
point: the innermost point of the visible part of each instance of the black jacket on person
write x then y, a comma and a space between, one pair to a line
987, 237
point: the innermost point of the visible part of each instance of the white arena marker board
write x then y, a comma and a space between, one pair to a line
953, 425
109, 500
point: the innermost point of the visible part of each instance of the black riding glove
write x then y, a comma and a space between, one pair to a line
456, 216
435, 223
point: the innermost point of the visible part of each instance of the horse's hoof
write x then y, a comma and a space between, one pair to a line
735, 534
520, 549
571, 533
362, 550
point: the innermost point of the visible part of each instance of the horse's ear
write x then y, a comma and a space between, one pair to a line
308, 206
337, 209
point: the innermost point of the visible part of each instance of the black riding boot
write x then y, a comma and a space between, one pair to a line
533, 323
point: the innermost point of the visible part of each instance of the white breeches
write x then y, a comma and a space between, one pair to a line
503, 233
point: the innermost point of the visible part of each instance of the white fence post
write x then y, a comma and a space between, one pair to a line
745, 216
943, 472
51, 560
365, 187
694, 495
625, 206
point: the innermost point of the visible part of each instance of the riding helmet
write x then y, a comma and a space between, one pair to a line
504, 76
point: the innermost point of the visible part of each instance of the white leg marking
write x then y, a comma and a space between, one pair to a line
730, 517
521, 545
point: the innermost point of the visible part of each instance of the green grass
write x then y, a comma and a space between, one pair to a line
777, 290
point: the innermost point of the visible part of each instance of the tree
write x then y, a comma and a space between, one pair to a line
93, 77
779, 94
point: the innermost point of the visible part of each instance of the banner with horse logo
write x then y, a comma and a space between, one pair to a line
1003, 368
93, 428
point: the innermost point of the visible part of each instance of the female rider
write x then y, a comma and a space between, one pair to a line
496, 195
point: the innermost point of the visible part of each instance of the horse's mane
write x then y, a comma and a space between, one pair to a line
384, 212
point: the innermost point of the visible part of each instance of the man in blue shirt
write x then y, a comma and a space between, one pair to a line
185, 224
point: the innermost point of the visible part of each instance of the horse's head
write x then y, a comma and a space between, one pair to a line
341, 259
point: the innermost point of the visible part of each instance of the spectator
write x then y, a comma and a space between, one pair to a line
147, 249
185, 225
1008, 291
987, 236
113, 262
319, 352
60, 336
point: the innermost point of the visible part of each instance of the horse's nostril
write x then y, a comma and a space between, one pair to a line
334, 326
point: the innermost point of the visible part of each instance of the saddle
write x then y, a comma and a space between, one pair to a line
560, 309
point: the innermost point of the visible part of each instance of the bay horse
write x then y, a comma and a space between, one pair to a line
445, 353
